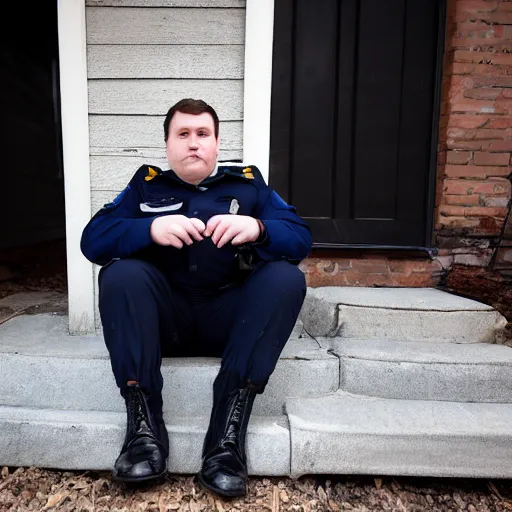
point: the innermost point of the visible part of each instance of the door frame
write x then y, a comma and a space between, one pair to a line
279, 169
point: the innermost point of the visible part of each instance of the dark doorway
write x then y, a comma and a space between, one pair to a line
354, 117
32, 220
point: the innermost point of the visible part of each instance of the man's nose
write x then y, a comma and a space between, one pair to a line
193, 142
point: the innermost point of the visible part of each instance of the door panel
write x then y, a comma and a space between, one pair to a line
353, 116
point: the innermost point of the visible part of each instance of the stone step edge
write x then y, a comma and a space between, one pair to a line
420, 352
407, 438
81, 440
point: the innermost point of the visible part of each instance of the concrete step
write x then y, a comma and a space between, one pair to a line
410, 370
43, 367
93, 439
419, 314
348, 434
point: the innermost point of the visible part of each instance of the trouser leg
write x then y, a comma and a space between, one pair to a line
140, 315
257, 319
251, 324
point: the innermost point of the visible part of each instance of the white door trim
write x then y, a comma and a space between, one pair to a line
259, 36
75, 148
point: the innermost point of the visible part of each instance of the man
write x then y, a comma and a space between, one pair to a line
198, 260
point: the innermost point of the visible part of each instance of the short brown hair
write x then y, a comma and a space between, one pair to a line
194, 107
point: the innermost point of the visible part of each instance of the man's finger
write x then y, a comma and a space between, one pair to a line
174, 241
227, 236
198, 224
192, 230
220, 229
212, 224
239, 239
181, 233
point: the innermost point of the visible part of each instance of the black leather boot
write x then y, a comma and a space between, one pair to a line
146, 445
224, 468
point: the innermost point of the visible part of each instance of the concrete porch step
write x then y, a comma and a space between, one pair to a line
420, 314
92, 440
411, 370
350, 434
43, 367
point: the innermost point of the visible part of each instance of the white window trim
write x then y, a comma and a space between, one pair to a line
75, 147
259, 36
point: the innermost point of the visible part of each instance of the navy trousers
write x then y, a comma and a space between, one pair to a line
247, 325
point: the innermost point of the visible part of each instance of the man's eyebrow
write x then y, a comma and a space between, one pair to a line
181, 128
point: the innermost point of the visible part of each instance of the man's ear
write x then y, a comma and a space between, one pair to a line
218, 146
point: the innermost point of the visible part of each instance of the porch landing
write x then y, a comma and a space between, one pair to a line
377, 381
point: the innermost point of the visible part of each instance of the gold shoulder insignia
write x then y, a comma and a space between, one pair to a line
151, 174
247, 172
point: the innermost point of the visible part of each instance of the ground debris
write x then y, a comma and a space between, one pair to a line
33, 489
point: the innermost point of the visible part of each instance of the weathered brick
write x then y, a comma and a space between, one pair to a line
461, 200
496, 202
484, 158
372, 266
466, 144
483, 43
461, 68
492, 187
472, 171
458, 157
486, 93
503, 106
476, 6
505, 6
501, 145
484, 133
507, 93
500, 18
470, 105
472, 260
467, 121
472, 211
466, 56
500, 122
478, 134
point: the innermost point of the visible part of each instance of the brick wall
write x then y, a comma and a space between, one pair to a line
474, 162
475, 140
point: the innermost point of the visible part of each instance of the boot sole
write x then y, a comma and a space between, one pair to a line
220, 492
134, 480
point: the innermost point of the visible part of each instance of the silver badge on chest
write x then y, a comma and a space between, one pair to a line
234, 207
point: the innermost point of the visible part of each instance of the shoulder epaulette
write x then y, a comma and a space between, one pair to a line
150, 172
249, 172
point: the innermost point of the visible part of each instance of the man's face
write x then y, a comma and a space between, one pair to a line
192, 147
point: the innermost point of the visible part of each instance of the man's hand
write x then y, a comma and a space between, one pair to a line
175, 230
237, 229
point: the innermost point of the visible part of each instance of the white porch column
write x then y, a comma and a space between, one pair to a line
259, 35
75, 145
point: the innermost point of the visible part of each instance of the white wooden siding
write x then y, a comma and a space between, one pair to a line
159, 61
167, 3
152, 97
144, 56
140, 26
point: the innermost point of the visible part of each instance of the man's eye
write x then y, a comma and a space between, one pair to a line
203, 134
183, 134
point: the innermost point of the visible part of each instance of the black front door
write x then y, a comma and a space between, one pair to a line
353, 129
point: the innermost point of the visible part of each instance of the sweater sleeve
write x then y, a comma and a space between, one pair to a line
287, 236
118, 229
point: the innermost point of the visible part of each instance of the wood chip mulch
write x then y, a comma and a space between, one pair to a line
33, 489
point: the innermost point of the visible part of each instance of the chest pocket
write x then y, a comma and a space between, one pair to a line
220, 206
166, 205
